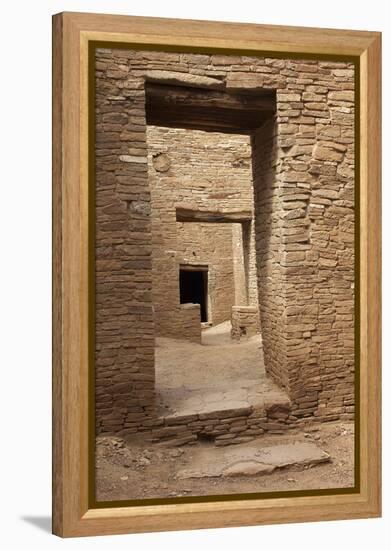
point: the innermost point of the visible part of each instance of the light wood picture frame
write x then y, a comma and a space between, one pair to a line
74, 511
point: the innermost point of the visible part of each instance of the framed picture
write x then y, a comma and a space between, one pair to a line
216, 233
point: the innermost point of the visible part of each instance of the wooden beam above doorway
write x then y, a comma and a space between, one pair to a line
213, 216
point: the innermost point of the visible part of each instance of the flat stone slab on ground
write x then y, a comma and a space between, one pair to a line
254, 460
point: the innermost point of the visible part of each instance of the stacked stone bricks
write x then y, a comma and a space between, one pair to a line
201, 171
244, 322
303, 180
224, 426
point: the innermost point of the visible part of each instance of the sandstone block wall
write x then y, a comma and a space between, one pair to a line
224, 426
269, 248
124, 327
206, 172
189, 322
244, 258
304, 202
209, 244
244, 321
304, 192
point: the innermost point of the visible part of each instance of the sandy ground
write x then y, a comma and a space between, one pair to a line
214, 373
217, 362
134, 471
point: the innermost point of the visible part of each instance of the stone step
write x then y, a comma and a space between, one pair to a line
225, 416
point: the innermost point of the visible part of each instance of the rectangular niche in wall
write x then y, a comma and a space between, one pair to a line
193, 288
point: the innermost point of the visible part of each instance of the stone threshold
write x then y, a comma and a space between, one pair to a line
224, 416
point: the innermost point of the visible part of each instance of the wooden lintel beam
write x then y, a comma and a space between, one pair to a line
191, 215
169, 96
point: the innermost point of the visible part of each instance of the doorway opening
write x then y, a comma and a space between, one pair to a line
204, 169
193, 288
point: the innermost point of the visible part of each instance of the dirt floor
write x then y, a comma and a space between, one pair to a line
132, 470
217, 361
219, 372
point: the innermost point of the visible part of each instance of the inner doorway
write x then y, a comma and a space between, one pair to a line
193, 288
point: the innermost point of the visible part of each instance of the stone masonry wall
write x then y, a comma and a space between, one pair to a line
224, 425
268, 251
189, 322
306, 274
203, 171
309, 266
245, 265
239, 260
124, 335
244, 321
210, 244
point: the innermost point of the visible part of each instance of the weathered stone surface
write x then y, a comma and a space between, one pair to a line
225, 415
308, 146
242, 81
255, 460
132, 158
248, 468
322, 152
244, 322
191, 191
346, 95
161, 162
183, 79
